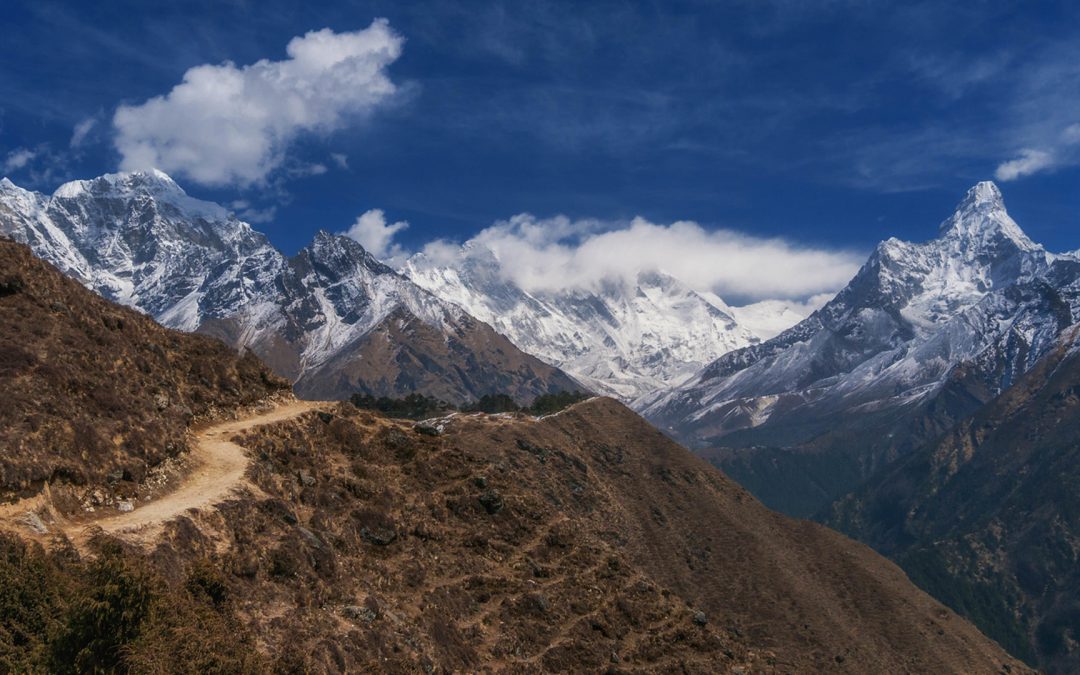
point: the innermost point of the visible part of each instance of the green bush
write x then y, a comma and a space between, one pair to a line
547, 404
106, 615
418, 406
31, 602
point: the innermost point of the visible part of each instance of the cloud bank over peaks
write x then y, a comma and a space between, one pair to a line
554, 254
233, 125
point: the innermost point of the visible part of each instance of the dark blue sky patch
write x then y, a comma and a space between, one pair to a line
832, 123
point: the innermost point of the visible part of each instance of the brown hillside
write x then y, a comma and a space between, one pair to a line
93, 391
585, 541
403, 355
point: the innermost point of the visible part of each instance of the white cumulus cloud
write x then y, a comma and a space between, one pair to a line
559, 253
232, 125
376, 235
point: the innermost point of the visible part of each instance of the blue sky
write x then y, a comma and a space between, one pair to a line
829, 124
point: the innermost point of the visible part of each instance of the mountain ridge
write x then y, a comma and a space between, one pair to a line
623, 337
139, 239
984, 517
981, 293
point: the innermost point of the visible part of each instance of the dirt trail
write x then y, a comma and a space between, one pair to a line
218, 467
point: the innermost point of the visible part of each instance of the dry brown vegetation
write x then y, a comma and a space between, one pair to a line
582, 541
92, 389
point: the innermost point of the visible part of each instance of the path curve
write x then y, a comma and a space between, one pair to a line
218, 469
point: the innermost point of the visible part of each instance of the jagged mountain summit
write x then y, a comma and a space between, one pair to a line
922, 336
332, 318
624, 338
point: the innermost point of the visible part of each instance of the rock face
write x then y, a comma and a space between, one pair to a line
95, 393
332, 318
623, 338
987, 518
920, 338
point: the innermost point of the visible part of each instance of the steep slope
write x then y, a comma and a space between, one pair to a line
96, 393
921, 337
582, 541
138, 239
623, 338
987, 518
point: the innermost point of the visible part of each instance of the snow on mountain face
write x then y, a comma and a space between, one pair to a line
625, 338
138, 239
978, 293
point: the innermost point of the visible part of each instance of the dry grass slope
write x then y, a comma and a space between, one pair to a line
92, 389
583, 541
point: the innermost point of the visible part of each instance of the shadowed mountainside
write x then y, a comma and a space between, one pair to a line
987, 518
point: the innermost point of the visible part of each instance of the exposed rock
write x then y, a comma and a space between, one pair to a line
491, 501
427, 430
33, 521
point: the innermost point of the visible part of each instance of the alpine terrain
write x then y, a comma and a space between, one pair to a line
623, 338
318, 537
923, 336
332, 318
987, 517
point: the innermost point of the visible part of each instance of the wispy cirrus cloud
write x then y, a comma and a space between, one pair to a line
18, 159
81, 131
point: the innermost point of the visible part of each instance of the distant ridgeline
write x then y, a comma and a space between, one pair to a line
419, 406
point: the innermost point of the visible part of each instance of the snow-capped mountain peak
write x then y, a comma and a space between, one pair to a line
153, 185
624, 336
333, 318
981, 295
981, 223
341, 252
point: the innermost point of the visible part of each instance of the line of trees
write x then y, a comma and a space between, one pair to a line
419, 406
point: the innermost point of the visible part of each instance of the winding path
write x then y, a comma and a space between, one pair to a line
218, 468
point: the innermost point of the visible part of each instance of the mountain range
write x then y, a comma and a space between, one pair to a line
923, 336
337, 321
624, 338
350, 542
926, 409
332, 318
